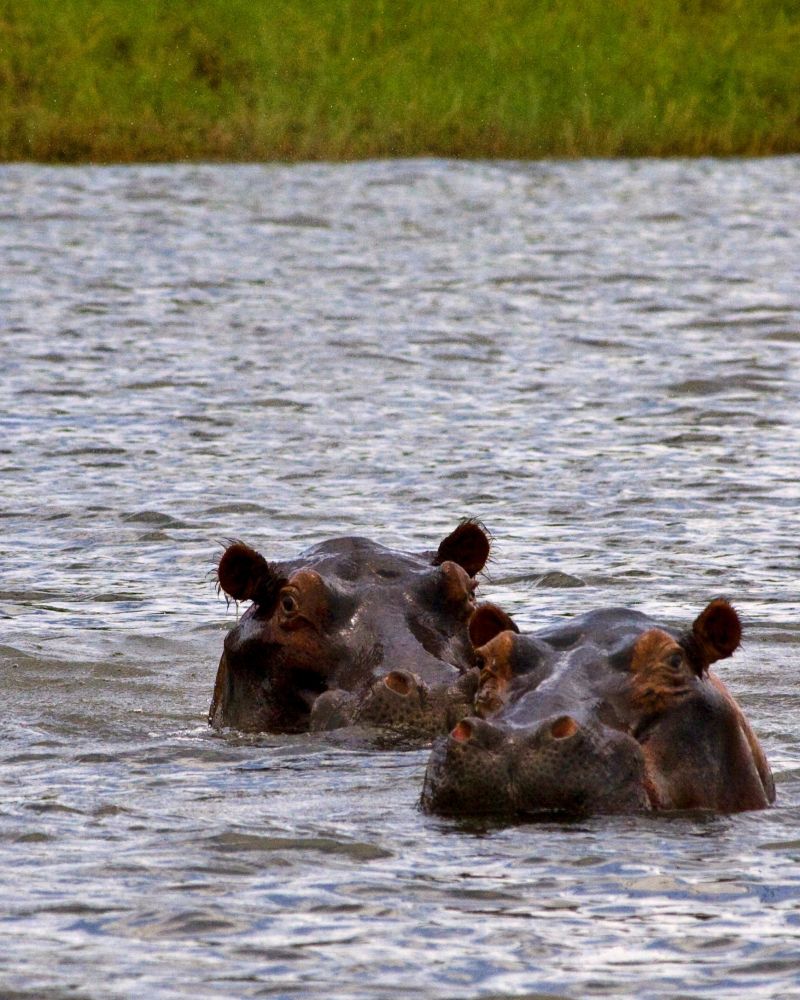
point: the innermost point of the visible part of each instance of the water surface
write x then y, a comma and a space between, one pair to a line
597, 359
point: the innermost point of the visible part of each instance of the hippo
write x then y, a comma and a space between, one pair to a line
350, 633
609, 712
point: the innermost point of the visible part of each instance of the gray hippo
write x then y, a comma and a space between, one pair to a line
609, 712
350, 632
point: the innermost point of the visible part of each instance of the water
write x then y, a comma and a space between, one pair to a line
597, 359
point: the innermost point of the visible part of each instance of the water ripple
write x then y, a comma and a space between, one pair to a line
597, 358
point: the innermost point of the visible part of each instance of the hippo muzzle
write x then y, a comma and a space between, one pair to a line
556, 767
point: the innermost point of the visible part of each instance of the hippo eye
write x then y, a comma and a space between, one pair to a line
289, 604
675, 661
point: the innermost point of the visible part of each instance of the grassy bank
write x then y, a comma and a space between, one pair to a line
114, 80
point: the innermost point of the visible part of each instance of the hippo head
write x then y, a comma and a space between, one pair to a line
607, 714
350, 631
698, 747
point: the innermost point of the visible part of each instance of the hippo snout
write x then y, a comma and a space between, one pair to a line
558, 765
566, 766
468, 772
400, 698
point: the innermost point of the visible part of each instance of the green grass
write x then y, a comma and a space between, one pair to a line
122, 80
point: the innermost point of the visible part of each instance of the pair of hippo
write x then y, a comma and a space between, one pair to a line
609, 712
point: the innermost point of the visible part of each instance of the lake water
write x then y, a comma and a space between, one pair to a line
598, 359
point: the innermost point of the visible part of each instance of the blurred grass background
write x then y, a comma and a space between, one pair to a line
138, 80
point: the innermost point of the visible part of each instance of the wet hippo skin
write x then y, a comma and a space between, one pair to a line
350, 632
606, 713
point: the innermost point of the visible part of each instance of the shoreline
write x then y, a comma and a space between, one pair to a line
106, 82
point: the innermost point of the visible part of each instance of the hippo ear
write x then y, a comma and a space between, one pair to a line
245, 575
486, 622
715, 634
468, 546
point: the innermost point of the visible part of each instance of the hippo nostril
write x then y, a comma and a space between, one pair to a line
399, 682
479, 732
462, 732
563, 728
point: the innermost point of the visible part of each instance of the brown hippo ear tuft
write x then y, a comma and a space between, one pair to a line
486, 622
239, 571
715, 634
468, 546
245, 575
